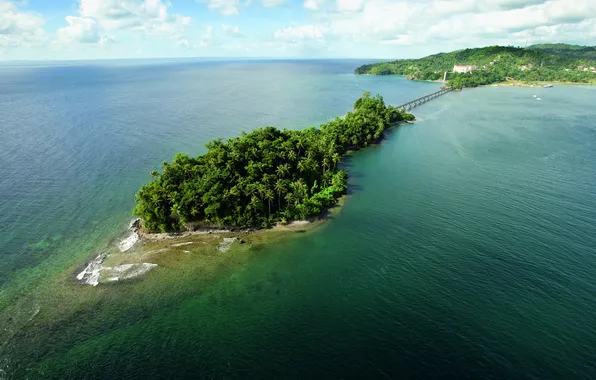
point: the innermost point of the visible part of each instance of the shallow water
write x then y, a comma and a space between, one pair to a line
466, 249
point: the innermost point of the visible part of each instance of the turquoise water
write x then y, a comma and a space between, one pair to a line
466, 249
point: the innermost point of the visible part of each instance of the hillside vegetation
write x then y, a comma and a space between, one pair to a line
262, 177
566, 50
546, 63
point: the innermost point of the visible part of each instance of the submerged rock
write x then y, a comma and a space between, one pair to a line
182, 244
124, 272
90, 275
224, 246
95, 273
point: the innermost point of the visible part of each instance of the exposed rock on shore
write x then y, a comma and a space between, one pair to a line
129, 242
95, 272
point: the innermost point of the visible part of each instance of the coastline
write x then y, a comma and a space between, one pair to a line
141, 252
512, 83
538, 84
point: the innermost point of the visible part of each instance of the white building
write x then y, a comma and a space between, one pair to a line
464, 69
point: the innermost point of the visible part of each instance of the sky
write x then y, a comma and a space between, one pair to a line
106, 29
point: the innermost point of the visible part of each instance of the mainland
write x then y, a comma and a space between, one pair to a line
536, 64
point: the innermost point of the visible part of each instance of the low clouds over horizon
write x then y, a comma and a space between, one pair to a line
89, 29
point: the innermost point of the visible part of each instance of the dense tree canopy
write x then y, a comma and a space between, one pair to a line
262, 177
557, 62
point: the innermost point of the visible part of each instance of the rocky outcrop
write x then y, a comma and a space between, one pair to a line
132, 238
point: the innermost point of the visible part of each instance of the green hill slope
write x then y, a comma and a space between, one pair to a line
557, 62
566, 50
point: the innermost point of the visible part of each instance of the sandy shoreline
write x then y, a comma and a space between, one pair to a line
214, 231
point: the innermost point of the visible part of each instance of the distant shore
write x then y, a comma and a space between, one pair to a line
515, 83
537, 84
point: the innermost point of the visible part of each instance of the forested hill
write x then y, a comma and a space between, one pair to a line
556, 62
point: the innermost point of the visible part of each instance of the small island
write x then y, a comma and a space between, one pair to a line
556, 63
264, 177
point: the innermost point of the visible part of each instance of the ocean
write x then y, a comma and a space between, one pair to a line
466, 247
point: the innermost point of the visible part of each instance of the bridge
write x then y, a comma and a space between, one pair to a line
424, 99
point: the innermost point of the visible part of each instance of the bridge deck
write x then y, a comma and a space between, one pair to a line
423, 99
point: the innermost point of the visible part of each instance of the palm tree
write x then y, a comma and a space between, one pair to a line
302, 165
300, 189
325, 164
282, 170
269, 196
300, 143
290, 198
252, 190
335, 158
254, 204
262, 189
280, 187
312, 165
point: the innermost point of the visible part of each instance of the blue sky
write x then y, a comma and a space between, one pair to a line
100, 29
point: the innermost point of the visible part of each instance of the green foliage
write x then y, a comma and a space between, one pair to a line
474, 79
262, 177
551, 62
572, 51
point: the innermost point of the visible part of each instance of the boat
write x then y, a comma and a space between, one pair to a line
547, 85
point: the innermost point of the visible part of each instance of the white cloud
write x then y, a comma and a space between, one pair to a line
225, 7
174, 28
501, 23
151, 17
231, 30
584, 30
313, 4
379, 28
513, 4
302, 32
206, 37
443, 23
183, 42
19, 28
272, 3
350, 5
83, 30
